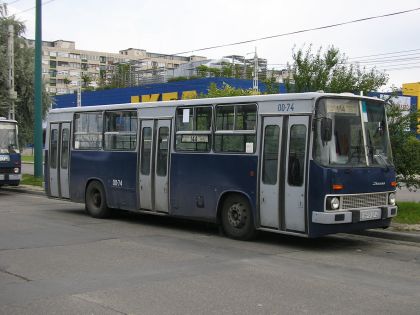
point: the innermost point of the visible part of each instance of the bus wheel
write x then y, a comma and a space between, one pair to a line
237, 221
95, 200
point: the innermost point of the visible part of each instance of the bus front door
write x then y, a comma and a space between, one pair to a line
295, 177
154, 164
59, 160
283, 168
270, 172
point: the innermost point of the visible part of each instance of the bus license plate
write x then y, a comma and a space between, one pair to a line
371, 214
4, 158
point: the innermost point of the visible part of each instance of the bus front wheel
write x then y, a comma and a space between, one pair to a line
237, 221
95, 200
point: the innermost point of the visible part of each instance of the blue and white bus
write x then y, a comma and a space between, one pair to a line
10, 159
301, 164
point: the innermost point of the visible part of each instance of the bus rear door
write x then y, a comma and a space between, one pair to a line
59, 158
154, 164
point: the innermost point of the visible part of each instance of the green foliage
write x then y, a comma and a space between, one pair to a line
271, 86
31, 180
86, 80
408, 213
405, 146
330, 72
24, 78
226, 91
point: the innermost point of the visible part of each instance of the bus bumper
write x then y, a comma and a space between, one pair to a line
354, 216
10, 179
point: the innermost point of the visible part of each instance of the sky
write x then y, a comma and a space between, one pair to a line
169, 27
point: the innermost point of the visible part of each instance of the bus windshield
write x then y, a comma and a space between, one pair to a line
350, 132
8, 138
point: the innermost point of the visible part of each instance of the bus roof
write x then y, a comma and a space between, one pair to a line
220, 100
4, 119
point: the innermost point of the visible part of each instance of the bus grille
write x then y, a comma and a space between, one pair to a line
6, 170
364, 201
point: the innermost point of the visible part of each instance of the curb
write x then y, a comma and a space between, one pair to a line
391, 235
27, 189
378, 233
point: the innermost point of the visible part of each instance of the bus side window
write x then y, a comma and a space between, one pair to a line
296, 160
193, 129
236, 128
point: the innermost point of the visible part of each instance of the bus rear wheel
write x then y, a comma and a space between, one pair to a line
236, 217
95, 201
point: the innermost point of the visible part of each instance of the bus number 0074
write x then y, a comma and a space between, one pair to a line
286, 107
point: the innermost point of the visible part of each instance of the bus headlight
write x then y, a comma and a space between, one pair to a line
333, 203
16, 170
391, 199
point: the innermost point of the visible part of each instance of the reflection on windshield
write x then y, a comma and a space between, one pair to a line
377, 142
346, 146
8, 138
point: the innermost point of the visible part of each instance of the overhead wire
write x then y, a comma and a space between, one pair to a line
300, 31
29, 9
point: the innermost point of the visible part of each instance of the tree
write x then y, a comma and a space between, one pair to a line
86, 80
405, 146
226, 91
331, 72
272, 86
24, 78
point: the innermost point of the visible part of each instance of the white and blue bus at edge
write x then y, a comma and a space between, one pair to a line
10, 159
306, 164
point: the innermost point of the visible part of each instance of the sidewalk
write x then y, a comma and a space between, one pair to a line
397, 231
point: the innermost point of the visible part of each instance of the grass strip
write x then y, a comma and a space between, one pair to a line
31, 180
408, 213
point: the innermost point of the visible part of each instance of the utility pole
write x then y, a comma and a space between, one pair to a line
38, 92
11, 78
255, 76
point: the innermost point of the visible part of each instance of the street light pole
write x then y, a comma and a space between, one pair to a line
38, 93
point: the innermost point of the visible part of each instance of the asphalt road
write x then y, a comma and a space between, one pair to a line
54, 259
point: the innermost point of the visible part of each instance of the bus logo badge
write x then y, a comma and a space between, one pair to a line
378, 184
117, 183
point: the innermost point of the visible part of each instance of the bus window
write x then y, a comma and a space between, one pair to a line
54, 148
88, 131
235, 128
162, 153
193, 131
297, 149
146, 150
271, 155
65, 148
120, 130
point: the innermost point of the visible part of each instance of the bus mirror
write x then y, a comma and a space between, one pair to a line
326, 129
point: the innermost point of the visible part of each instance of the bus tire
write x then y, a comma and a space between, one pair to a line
95, 201
236, 217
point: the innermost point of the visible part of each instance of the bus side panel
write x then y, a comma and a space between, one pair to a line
116, 170
198, 180
355, 181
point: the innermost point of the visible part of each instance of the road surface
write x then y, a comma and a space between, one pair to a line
54, 259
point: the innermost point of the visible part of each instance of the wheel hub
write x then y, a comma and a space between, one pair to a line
237, 215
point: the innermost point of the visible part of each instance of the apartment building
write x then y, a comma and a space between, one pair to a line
66, 68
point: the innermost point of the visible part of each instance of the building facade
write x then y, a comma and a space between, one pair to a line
65, 69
